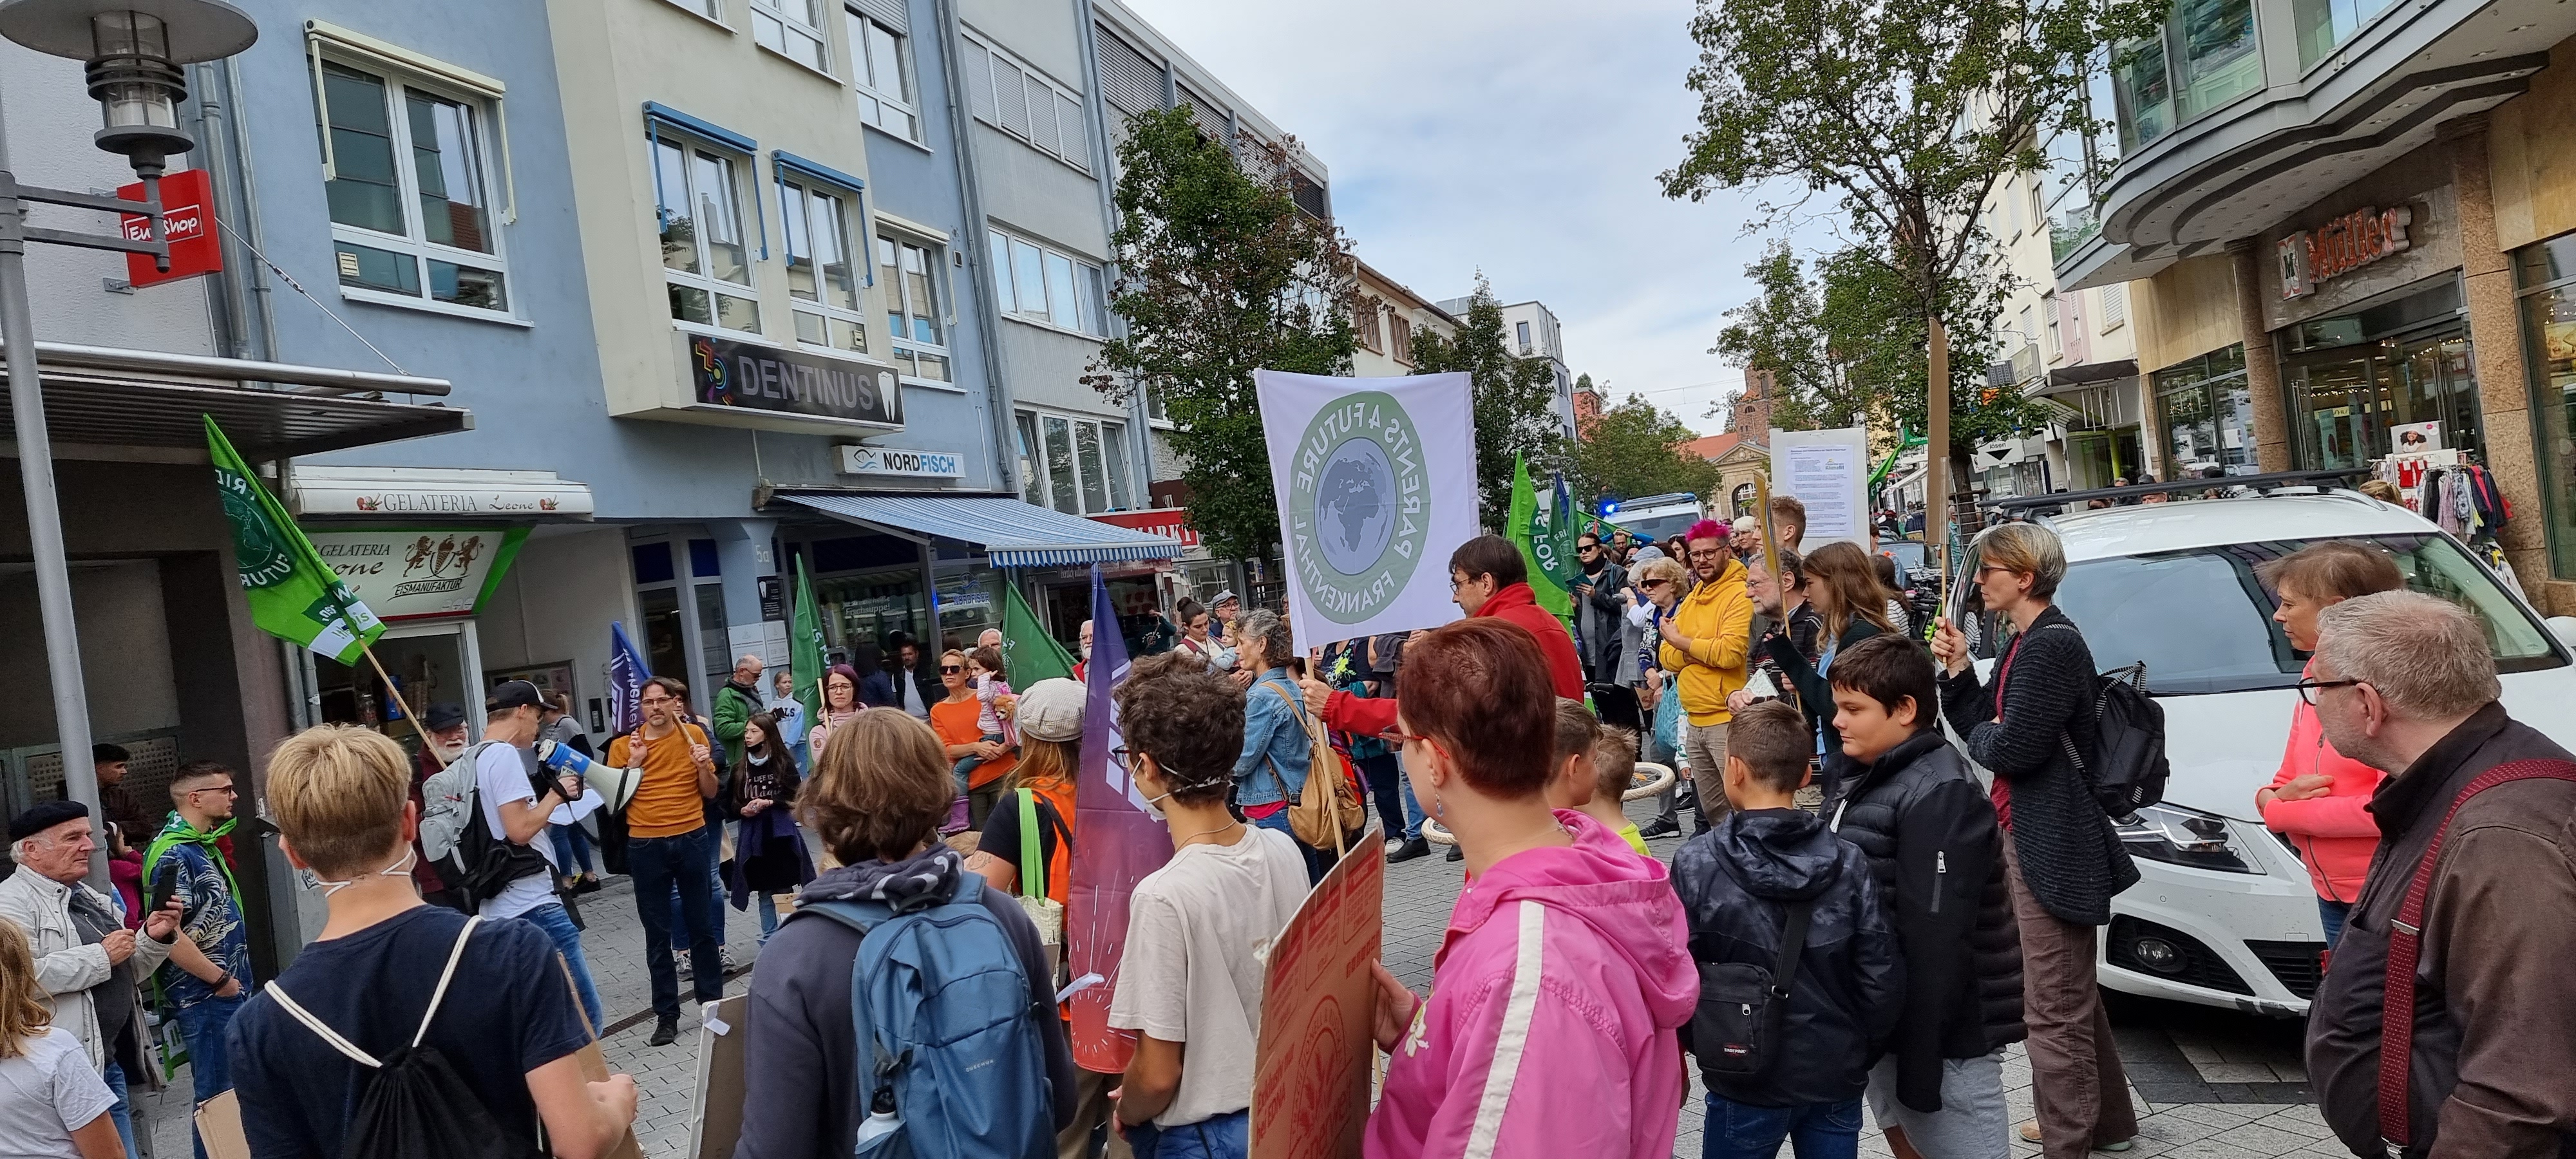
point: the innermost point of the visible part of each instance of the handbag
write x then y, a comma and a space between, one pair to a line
1046, 913
1327, 810
1743, 1009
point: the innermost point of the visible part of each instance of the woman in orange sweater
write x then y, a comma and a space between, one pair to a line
2320, 799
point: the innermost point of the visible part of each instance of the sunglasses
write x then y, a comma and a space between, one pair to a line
946, 669
1652, 583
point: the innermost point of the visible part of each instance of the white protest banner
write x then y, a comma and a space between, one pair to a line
1376, 482
1829, 472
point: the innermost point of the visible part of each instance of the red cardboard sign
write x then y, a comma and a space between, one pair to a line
1311, 1067
187, 219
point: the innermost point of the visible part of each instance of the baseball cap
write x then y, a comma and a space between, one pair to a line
1222, 597
1051, 710
513, 694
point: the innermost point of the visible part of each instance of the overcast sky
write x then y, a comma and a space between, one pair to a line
1516, 136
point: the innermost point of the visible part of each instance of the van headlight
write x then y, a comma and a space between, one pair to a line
2179, 836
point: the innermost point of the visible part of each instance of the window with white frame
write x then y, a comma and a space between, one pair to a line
1038, 284
711, 9
1073, 464
706, 247
1009, 95
908, 275
410, 190
2115, 306
793, 29
1155, 411
2048, 311
885, 89
823, 273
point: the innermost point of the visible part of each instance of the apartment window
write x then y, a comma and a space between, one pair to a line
1154, 409
706, 251
1400, 330
885, 89
2115, 306
793, 29
1041, 285
821, 275
410, 192
1017, 99
907, 271
1522, 329
1075, 465
2206, 55
2048, 310
711, 9
1372, 335
2029, 326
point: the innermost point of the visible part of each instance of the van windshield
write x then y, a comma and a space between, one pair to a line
1658, 528
2202, 623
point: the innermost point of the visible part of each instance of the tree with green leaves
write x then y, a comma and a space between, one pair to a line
1220, 274
1635, 448
1514, 398
1912, 112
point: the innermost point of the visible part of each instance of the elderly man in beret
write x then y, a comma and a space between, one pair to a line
87, 961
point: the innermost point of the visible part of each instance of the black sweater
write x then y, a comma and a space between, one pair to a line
2070, 856
1816, 697
1919, 816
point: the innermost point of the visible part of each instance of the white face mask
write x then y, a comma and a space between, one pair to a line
1154, 807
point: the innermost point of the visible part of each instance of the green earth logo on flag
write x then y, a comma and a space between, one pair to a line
1358, 506
259, 554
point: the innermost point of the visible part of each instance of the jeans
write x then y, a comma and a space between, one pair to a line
715, 884
1385, 782
685, 865
1412, 804
203, 1027
1218, 1137
1974, 1122
966, 765
1814, 1131
767, 907
557, 923
2332, 913
123, 1111
572, 846
1318, 861
2078, 1089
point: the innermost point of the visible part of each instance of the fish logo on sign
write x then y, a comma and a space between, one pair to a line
1358, 506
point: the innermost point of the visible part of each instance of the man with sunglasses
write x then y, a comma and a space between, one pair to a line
208, 975
1596, 609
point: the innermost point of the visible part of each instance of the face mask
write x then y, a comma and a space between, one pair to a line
1154, 807
400, 868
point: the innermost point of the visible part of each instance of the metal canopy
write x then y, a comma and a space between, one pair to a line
101, 415
1011, 532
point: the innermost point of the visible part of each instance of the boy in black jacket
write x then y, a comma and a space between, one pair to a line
1739, 883
1930, 837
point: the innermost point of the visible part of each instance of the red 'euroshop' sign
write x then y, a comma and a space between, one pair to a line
188, 220
1171, 522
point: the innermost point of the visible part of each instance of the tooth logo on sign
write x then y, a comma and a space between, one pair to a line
1358, 506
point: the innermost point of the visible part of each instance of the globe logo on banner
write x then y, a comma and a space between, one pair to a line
1357, 506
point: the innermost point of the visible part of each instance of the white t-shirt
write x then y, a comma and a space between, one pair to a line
46, 1093
1197, 930
501, 774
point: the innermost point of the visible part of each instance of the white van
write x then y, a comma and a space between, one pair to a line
2224, 914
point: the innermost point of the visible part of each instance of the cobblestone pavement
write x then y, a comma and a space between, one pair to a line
2201, 1065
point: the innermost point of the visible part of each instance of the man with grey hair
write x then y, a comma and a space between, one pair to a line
736, 702
2483, 809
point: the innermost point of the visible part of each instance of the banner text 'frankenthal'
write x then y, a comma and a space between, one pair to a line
1330, 429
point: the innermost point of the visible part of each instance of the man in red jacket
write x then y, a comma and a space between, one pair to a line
1487, 577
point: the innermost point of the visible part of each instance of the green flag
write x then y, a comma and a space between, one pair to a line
805, 646
1028, 652
293, 594
1533, 529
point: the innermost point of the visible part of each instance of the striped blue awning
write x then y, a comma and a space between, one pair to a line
1012, 533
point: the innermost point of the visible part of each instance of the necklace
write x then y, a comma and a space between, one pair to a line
1210, 833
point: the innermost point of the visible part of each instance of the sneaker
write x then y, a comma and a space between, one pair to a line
2030, 1134
1455, 854
724, 959
1660, 827
586, 883
665, 1032
1416, 847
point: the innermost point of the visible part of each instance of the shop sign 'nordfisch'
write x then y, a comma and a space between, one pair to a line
2310, 259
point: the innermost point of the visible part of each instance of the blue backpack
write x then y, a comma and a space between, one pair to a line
953, 1067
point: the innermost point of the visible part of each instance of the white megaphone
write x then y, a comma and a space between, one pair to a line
614, 784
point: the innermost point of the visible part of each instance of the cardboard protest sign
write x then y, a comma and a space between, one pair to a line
219, 1127
715, 1123
1312, 1065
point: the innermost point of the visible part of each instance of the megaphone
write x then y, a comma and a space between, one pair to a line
615, 785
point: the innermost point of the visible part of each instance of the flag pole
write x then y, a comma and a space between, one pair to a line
395, 690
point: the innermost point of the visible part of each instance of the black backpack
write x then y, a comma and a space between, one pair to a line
2128, 770
483, 865
414, 1106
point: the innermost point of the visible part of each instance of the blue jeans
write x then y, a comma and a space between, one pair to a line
2332, 914
572, 846
1219, 1137
716, 885
203, 1026
1412, 805
1318, 861
966, 765
768, 907
557, 924
1815, 1131
684, 865
123, 1111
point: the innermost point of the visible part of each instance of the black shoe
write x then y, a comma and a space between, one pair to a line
586, 884
1456, 853
1660, 827
665, 1032
1416, 847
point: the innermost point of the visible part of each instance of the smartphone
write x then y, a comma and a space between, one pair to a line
164, 887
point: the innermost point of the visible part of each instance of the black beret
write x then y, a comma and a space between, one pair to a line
42, 817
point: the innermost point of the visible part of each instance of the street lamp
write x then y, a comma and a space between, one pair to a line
134, 50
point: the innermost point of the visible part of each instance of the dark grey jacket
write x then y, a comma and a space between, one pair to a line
2070, 856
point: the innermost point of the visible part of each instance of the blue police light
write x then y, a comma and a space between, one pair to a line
1609, 507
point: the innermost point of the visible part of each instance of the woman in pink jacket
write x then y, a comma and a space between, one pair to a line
2320, 798
1550, 1028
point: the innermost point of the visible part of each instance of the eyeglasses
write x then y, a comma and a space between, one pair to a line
2309, 690
1400, 738
226, 790
655, 700
951, 669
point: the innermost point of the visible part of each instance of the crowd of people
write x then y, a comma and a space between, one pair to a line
1858, 919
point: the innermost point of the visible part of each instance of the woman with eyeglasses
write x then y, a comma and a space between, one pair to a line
1563, 978
840, 703
1659, 581
2320, 798
2062, 858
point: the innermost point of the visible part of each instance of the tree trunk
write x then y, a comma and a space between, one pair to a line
1936, 452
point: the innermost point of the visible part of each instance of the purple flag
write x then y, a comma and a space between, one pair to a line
1117, 844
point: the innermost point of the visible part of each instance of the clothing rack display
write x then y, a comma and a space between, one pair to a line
2459, 495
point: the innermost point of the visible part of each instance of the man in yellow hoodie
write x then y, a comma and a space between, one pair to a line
1706, 642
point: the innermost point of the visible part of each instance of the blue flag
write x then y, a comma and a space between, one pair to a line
627, 673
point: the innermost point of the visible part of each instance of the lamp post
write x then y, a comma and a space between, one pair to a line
135, 50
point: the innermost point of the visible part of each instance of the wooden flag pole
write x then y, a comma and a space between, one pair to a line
394, 690
1762, 516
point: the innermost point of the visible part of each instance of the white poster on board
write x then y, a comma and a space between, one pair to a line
1829, 472
1376, 485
